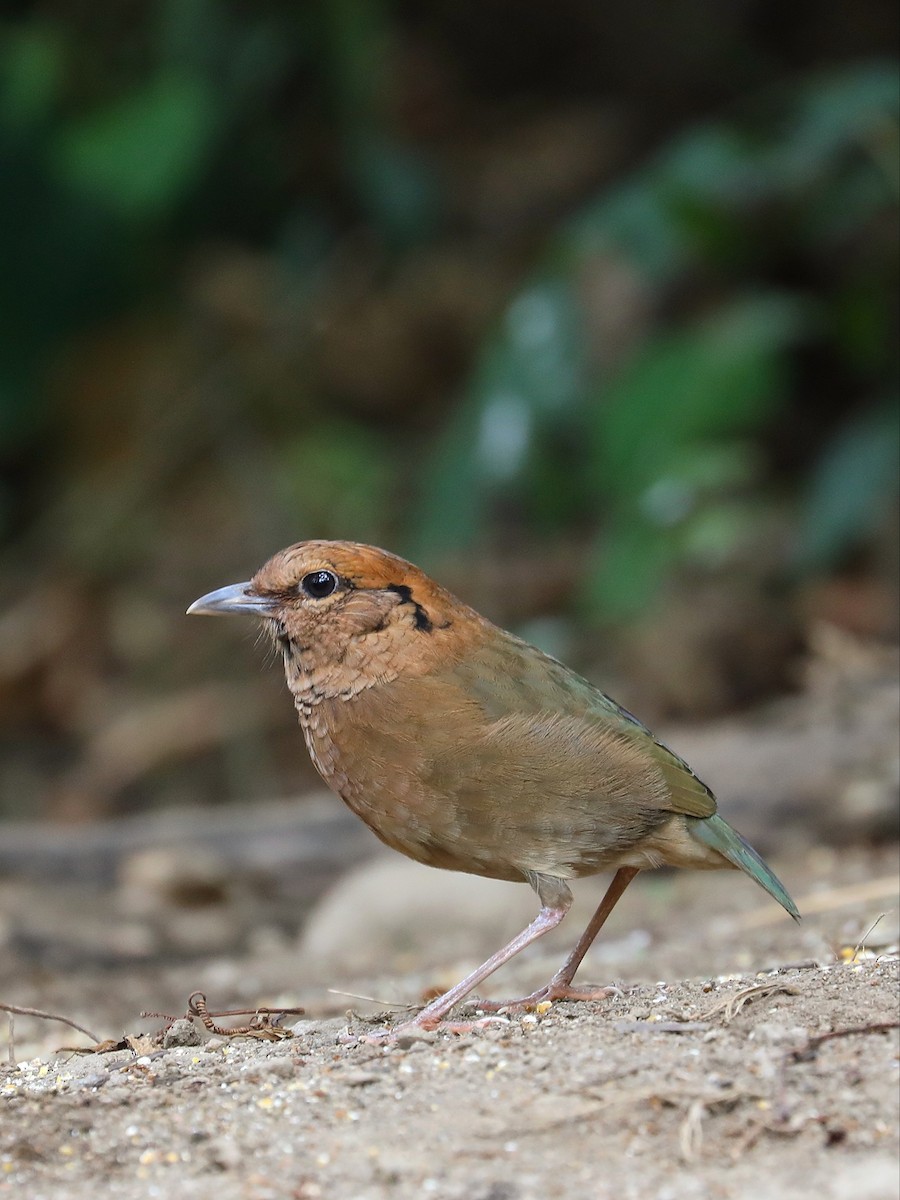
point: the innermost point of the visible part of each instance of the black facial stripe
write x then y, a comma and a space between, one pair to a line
420, 616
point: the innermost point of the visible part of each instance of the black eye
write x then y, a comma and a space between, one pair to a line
319, 584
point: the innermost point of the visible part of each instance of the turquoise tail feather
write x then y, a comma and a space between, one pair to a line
718, 835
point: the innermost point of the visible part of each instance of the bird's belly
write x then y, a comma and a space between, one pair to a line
386, 784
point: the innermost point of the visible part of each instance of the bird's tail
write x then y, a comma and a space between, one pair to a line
718, 835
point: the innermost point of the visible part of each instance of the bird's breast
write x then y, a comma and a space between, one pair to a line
376, 754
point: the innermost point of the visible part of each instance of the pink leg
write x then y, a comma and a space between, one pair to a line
559, 987
556, 899
431, 1016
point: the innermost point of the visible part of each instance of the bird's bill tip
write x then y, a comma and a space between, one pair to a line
236, 598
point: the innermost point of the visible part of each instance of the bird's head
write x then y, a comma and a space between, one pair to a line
340, 608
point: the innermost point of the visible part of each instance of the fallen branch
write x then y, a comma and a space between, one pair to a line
814, 1041
47, 1016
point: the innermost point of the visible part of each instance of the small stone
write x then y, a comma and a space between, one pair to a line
181, 1033
283, 1066
413, 1037
304, 1027
96, 1079
224, 1153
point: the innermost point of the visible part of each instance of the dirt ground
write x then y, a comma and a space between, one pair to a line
715, 1082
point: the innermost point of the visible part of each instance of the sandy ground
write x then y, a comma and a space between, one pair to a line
716, 1082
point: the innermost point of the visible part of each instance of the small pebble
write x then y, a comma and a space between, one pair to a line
95, 1080
224, 1153
283, 1066
304, 1027
181, 1033
412, 1037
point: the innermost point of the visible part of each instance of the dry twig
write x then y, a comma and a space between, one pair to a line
48, 1016
690, 1133
860, 945
393, 1004
815, 1040
732, 1005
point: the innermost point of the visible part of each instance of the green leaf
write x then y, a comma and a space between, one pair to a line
31, 67
721, 377
855, 108
452, 507
629, 567
712, 537
856, 478
637, 222
142, 154
716, 164
526, 395
338, 479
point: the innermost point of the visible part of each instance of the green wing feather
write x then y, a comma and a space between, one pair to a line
688, 795
543, 684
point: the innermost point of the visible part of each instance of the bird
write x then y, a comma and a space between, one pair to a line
464, 747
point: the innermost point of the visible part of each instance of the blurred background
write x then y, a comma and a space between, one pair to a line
590, 309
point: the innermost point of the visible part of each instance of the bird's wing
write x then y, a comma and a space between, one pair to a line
529, 683
688, 795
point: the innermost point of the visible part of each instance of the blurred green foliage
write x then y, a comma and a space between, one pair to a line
647, 431
656, 444
659, 446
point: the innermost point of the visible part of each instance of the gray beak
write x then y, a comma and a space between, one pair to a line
236, 598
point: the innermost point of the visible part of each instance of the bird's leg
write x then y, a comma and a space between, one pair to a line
559, 987
556, 899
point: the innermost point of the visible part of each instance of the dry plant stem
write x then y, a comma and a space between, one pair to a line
47, 1016
815, 1040
197, 1007
865, 937
732, 1005
371, 999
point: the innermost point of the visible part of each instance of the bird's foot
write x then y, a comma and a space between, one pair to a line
546, 995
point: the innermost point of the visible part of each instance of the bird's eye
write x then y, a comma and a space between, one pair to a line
319, 584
